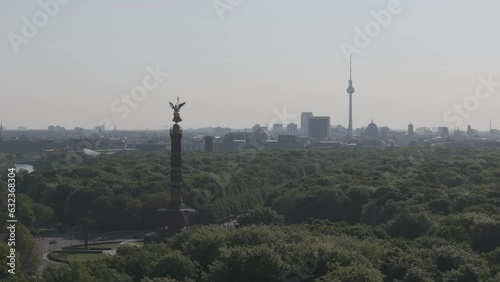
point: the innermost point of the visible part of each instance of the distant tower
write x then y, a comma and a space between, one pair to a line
304, 122
209, 143
350, 91
410, 129
1, 130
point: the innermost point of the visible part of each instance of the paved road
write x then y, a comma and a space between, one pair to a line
61, 242
45, 248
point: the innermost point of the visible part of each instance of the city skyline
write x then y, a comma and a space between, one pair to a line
433, 128
235, 71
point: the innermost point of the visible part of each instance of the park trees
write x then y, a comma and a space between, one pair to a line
378, 214
84, 229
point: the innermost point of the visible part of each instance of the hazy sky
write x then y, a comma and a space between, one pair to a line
247, 64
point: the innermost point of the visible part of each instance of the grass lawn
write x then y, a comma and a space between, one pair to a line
69, 256
79, 257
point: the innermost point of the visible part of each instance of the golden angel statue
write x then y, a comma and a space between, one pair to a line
177, 107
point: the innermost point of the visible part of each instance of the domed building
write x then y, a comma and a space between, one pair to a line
372, 131
372, 137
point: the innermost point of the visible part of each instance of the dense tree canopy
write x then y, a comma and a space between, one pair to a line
344, 214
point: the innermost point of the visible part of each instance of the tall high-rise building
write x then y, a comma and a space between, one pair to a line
209, 143
350, 91
291, 128
256, 127
410, 129
278, 128
442, 131
304, 122
319, 127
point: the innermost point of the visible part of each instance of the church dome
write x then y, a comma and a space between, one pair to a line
372, 131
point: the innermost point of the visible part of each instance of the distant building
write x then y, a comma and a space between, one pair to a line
495, 133
359, 131
291, 128
458, 132
209, 143
287, 139
260, 136
373, 137
338, 131
384, 131
260, 140
78, 144
410, 129
114, 143
304, 122
100, 128
256, 127
219, 131
55, 128
236, 136
205, 143
234, 141
442, 131
287, 142
472, 132
30, 146
277, 128
319, 127
423, 131
372, 131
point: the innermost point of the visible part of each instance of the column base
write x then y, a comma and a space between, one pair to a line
172, 221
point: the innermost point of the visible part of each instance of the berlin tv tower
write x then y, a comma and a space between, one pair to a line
350, 91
